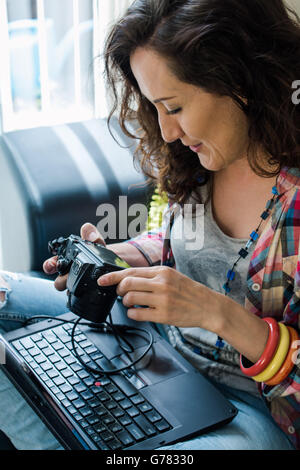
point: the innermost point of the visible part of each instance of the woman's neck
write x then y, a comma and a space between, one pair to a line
239, 196
240, 175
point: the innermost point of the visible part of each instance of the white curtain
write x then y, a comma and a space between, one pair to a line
114, 8
106, 12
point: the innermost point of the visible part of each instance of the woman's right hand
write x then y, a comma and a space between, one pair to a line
87, 232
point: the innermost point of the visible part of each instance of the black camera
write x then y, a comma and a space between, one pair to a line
85, 262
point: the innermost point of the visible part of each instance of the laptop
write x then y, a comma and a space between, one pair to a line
161, 400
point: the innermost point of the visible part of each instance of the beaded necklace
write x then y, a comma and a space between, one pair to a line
243, 253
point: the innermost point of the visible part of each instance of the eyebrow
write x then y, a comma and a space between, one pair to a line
164, 99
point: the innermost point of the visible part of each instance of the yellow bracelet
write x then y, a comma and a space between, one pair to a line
278, 358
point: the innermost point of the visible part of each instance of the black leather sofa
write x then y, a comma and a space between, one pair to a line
52, 180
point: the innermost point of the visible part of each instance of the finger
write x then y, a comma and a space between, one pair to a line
134, 284
117, 276
139, 298
142, 314
90, 232
60, 282
50, 265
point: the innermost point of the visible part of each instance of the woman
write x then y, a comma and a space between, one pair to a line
210, 84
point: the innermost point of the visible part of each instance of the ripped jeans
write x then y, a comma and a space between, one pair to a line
252, 429
21, 297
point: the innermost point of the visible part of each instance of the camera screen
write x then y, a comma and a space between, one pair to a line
108, 256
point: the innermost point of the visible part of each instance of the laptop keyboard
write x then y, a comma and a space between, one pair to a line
109, 409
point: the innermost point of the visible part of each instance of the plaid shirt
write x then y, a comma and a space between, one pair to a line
273, 285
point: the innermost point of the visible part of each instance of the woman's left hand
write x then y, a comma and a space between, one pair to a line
170, 297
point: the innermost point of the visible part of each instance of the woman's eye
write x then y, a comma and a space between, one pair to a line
174, 111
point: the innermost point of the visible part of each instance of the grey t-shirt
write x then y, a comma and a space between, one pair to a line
206, 259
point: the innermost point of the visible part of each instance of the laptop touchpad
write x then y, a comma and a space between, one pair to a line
157, 365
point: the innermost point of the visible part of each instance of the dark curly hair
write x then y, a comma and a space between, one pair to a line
248, 50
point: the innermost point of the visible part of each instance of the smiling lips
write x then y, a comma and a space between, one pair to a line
195, 148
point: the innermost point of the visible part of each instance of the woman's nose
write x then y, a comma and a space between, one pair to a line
170, 129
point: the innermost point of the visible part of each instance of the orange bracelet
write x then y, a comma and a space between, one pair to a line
288, 364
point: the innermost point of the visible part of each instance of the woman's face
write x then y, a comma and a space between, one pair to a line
214, 127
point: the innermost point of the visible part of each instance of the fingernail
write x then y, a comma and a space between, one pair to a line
103, 280
92, 236
51, 268
131, 313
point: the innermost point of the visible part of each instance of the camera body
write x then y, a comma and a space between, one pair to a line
85, 262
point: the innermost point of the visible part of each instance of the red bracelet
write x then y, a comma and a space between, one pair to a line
268, 353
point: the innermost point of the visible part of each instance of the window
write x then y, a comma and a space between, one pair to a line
48, 74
